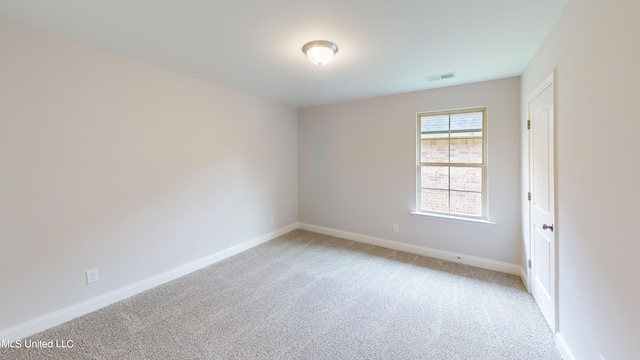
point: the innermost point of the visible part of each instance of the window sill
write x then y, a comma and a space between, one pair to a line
456, 219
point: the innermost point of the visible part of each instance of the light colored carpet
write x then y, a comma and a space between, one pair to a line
311, 296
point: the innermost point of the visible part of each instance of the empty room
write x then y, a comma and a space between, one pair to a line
319, 180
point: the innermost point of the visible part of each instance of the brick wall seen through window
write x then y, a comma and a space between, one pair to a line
451, 169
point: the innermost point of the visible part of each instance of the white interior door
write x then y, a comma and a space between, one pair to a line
542, 215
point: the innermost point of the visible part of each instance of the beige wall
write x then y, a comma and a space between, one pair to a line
357, 166
111, 163
595, 51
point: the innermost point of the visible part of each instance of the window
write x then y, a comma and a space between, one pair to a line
452, 167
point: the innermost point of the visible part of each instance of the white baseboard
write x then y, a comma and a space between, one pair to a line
525, 278
562, 346
44, 322
420, 250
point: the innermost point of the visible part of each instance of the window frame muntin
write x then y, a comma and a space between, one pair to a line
485, 198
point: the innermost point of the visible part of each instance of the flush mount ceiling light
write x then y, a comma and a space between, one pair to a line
320, 52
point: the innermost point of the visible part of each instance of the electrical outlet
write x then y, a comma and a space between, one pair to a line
396, 228
272, 219
92, 276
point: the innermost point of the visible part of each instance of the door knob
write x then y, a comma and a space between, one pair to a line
545, 227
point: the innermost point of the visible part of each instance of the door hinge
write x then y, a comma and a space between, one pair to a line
529, 263
529, 196
528, 124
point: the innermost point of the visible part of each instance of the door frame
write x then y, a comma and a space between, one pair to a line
549, 81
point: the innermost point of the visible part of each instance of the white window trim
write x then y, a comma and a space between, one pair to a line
454, 219
482, 220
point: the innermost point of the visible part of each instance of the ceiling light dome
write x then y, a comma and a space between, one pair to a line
320, 52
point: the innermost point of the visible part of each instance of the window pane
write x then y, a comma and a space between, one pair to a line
466, 151
467, 123
435, 177
466, 203
435, 200
466, 178
434, 151
452, 159
436, 126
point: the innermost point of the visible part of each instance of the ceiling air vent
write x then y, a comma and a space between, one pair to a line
444, 76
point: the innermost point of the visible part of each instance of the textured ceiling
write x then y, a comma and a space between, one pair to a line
386, 47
